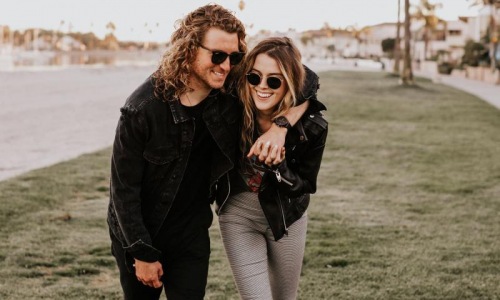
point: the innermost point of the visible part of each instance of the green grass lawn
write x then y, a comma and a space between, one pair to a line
408, 206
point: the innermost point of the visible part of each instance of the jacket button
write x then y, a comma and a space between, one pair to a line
301, 137
311, 116
293, 160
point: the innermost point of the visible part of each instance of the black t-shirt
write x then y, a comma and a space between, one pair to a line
191, 211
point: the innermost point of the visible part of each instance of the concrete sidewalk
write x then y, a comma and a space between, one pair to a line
486, 91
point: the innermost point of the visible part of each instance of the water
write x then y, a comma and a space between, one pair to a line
16, 60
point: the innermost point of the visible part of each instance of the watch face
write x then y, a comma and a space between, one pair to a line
282, 122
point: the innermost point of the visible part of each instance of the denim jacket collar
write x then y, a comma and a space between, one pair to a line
179, 113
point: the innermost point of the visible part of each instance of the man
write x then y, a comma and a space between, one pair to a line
175, 140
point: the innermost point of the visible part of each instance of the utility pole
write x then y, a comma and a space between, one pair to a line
397, 44
407, 78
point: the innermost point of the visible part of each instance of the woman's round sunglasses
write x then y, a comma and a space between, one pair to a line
219, 57
273, 82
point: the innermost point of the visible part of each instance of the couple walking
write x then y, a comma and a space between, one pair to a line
216, 123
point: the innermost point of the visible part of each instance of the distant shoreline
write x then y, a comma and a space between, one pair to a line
54, 60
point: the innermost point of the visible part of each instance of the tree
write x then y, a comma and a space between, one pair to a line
305, 39
57, 34
388, 46
88, 39
426, 12
397, 42
331, 50
359, 35
111, 27
474, 54
407, 76
110, 42
493, 32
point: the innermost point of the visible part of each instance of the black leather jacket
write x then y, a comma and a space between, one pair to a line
284, 191
150, 153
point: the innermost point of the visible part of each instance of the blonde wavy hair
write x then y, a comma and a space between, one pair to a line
288, 58
176, 64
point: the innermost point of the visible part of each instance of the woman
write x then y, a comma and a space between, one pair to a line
263, 222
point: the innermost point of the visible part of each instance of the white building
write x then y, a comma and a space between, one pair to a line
328, 43
67, 43
372, 37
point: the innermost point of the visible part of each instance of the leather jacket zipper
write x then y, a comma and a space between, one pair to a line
280, 178
282, 212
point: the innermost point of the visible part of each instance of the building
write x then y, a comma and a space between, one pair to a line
372, 37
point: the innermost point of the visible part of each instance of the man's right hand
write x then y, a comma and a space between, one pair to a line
149, 273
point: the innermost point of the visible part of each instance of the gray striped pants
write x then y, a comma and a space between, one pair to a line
262, 268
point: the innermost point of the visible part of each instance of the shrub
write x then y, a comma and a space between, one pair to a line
445, 68
475, 54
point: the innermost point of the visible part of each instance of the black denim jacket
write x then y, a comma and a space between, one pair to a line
150, 153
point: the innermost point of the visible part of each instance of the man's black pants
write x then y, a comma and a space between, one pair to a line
185, 269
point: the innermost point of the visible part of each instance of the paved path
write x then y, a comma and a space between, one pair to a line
486, 91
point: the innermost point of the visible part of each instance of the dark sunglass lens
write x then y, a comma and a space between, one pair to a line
273, 82
235, 58
253, 79
218, 57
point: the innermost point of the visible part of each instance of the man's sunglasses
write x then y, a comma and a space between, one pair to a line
219, 57
273, 82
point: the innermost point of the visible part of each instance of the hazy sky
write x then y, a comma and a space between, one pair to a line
135, 18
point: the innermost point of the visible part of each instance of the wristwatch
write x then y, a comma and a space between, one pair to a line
282, 121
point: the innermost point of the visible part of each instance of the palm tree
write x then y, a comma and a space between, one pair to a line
397, 46
359, 35
111, 27
110, 41
492, 37
1, 35
55, 34
426, 11
407, 76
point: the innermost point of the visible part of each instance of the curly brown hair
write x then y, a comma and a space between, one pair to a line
172, 75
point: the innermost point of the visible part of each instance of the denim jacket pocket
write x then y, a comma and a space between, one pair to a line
161, 155
159, 161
